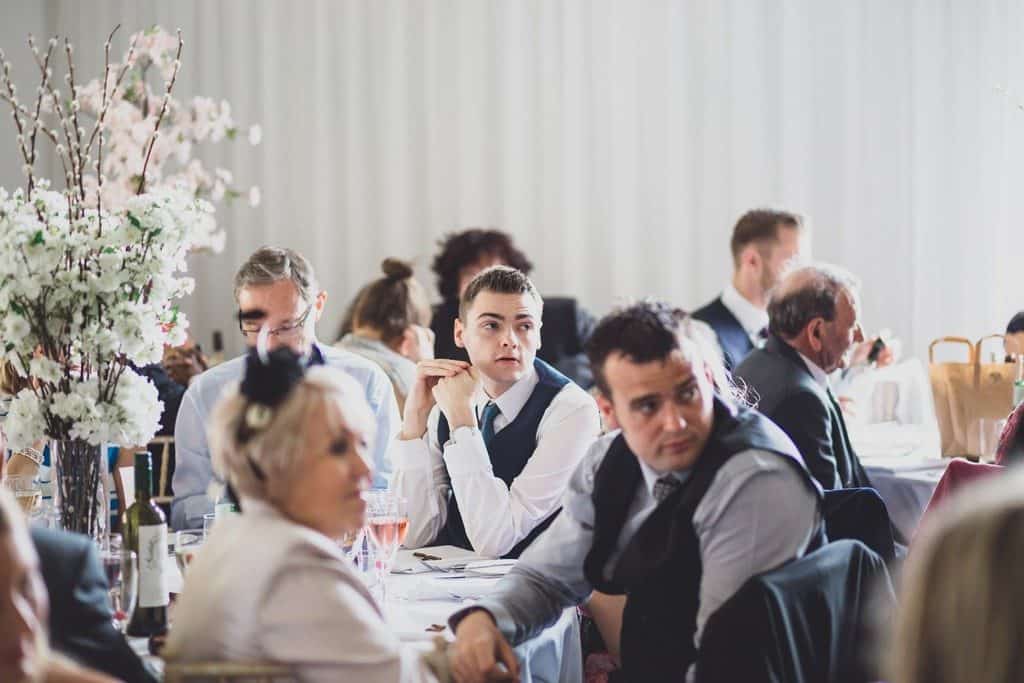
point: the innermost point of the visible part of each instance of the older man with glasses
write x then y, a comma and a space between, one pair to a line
277, 295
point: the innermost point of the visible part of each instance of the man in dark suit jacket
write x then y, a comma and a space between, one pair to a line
813, 322
80, 618
763, 243
465, 254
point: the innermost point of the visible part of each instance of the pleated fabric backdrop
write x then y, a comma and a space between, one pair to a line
618, 141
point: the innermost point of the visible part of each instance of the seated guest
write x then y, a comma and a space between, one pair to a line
763, 243
277, 295
486, 449
813, 327
391, 326
1013, 340
465, 254
676, 510
962, 614
25, 655
273, 583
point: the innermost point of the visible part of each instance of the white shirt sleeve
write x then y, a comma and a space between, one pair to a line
321, 624
756, 515
498, 516
193, 470
419, 477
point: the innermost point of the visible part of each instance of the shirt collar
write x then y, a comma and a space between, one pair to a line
752, 318
514, 398
819, 375
651, 476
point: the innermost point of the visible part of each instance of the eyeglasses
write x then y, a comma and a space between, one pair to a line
285, 332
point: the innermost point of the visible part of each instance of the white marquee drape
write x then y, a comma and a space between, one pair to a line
618, 141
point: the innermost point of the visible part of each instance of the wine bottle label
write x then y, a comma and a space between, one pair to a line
152, 560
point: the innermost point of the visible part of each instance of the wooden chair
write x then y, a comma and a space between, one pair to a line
224, 672
162, 492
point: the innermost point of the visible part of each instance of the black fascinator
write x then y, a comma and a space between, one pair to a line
269, 378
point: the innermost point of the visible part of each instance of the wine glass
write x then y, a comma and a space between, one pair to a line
27, 492
388, 522
121, 567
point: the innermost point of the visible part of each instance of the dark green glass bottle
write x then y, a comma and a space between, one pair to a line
145, 532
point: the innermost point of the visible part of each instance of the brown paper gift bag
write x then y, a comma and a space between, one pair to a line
968, 392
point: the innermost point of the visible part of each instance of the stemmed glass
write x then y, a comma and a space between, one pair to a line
388, 522
121, 567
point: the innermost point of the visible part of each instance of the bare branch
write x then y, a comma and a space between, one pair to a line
163, 110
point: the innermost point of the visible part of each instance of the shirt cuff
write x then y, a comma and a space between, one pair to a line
465, 453
502, 618
410, 454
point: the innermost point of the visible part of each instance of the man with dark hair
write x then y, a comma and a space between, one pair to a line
676, 509
763, 243
465, 254
814, 327
486, 449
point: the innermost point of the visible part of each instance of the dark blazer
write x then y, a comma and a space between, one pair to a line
565, 327
80, 618
788, 394
732, 338
805, 622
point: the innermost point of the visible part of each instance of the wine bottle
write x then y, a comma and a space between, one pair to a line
145, 532
217, 357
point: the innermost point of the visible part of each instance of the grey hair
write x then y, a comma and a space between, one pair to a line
807, 293
278, 451
268, 265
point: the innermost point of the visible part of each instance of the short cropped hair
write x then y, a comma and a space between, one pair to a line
277, 451
761, 227
268, 265
460, 249
500, 280
650, 330
792, 308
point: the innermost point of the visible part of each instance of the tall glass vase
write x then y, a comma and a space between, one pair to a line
81, 491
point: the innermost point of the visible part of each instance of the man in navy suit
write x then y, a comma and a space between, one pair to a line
763, 243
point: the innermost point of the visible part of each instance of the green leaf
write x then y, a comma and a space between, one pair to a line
18, 308
134, 221
37, 239
232, 133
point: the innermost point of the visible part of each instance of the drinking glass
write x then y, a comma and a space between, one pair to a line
388, 522
121, 567
186, 545
208, 521
27, 492
351, 543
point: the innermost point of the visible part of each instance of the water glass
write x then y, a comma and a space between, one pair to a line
121, 567
208, 521
27, 492
186, 545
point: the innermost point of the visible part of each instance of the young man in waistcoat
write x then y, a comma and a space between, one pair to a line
487, 447
676, 509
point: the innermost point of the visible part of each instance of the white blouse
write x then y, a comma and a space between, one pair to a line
263, 588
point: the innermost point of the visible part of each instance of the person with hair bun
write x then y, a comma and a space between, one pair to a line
391, 325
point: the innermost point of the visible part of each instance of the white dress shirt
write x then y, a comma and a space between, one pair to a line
757, 514
193, 469
496, 516
265, 588
752, 318
819, 375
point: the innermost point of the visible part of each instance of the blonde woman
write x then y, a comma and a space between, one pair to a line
272, 584
24, 653
962, 616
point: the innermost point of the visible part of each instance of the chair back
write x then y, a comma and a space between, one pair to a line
860, 514
225, 672
805, 622
164, 445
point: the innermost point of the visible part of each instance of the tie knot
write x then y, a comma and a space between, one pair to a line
664, 487
490, 411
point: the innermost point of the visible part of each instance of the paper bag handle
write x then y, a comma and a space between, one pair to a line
981, 342
963, 341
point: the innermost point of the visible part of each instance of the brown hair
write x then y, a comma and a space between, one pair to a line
392, 303
460, 249
498, 279
761, 227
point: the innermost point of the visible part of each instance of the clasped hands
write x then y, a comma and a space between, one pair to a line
451, 384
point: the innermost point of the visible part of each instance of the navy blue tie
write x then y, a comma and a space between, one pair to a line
491, 411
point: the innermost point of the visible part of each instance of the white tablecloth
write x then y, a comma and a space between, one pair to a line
554, 656
903, 464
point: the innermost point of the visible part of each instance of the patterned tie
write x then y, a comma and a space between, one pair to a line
664, 487
491, 411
